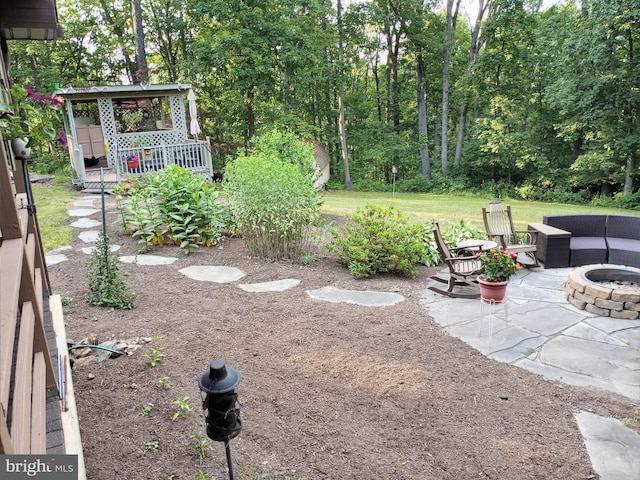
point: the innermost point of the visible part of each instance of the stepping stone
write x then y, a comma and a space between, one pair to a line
366, 298
89, 236
85, 223
82, 212
148, 259
613, 448
209, 273
275, 286
89, 250
55, 258
84, 202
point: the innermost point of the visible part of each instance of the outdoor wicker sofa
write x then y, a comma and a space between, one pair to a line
597, 238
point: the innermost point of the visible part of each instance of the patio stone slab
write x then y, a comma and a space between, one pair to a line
89, 250
85, 223
365, 298
613, 448
145, 259
210, 273
543, 319
610, 325
275, 286
89, 236
82, 212
84, 202
587, 332
55, 258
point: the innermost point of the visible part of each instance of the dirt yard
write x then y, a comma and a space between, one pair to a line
328, 390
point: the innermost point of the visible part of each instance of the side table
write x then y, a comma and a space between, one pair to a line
553, 245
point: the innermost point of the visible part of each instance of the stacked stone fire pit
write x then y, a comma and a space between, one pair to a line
606, 290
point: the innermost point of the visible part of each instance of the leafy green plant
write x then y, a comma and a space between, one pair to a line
155, 356
107, 287
66, 301
146, 410
152, 446
163, 382
183, 407
272, 196
174, 206
201, 446
377, 240
200, 475
498, 265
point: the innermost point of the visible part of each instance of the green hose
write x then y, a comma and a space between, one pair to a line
99, 347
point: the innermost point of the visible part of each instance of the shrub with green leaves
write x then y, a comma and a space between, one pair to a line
377, 240
272, 196
173, 205
107, 287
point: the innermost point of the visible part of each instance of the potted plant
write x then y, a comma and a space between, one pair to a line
133, 161
498, 266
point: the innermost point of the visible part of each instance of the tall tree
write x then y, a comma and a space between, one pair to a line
142, 73
341, 121
452, 17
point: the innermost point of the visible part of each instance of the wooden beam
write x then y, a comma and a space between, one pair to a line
6, 444
9, 223
11, 255
39, 406
21, 402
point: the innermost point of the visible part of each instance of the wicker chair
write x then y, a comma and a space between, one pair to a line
498, 224
463, 271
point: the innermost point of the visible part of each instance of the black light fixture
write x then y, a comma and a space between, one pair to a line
223, 416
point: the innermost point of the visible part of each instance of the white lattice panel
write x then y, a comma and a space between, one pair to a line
109, 128
178, 115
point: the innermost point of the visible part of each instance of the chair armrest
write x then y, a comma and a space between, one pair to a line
532, 235
498, 238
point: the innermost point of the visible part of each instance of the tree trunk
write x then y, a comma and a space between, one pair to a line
473, 50
423, 140
341, 122
448, 45
142, 73
631, 159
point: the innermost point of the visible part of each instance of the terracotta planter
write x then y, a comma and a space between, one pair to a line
492, 291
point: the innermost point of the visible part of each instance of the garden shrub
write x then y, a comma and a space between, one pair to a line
172, 205
272, 196
377, 240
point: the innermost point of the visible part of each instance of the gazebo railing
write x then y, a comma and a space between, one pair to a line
194, 155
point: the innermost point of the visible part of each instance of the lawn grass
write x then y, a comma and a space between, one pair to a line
52, 205
51, 208
450, 209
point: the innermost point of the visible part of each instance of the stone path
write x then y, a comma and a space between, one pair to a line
535, 329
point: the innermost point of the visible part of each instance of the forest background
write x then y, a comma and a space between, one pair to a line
519, 101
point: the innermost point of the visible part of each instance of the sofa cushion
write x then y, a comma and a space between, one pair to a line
587, 251
623, 226
588, 225
624, 251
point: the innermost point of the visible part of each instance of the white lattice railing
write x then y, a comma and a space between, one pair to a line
194, 155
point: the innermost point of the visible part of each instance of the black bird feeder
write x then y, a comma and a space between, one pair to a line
223, 417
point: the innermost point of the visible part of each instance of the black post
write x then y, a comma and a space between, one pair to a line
229, 462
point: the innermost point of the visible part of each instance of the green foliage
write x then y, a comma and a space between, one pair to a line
273, 198
107, 287
200, 475
146, 410
183, 407
152, 446
172, 205
155, 356
377, 240
201, 446
498, 265
163, 382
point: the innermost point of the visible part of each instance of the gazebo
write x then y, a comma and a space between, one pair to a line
118, 131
